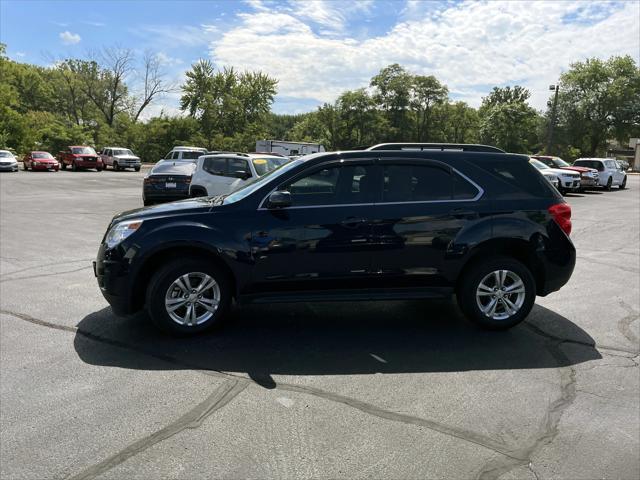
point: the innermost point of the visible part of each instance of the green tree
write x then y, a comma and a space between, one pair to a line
599, 101
507, 121
427, 93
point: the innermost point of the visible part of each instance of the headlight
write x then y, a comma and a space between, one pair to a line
120, 231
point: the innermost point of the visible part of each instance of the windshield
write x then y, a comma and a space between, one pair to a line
265, 165
122, 151
41, 155
538, 164
83, 151
6, 155
560, 162
255, 184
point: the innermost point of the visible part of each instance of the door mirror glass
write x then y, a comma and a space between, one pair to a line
279, 199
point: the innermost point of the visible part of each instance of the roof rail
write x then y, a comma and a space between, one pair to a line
464, 147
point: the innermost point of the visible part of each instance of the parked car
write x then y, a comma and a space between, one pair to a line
222, 173
167, 182
610, 173
378, 224
553, 175
8, 161
119, 158
185, 153
588, 176
79, 157
40, 161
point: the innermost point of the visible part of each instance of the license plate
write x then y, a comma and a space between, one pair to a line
170, 185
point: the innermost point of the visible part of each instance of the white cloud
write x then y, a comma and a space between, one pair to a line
471, 46
69, 38
167, 60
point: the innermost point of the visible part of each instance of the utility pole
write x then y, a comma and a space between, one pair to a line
552, 120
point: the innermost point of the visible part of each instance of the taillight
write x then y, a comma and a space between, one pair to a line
561, 213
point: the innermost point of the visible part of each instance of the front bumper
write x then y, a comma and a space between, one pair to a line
570, 184
588, 182
9, 167
44, 166
112, 274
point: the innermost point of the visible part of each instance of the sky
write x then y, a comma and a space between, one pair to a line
320, 48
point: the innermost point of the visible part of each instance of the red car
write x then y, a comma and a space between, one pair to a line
588, 176
40, 161
78, 156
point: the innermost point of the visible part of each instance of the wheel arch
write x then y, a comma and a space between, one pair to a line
522, 250
157, 259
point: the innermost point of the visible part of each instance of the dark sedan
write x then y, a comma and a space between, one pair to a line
167, 182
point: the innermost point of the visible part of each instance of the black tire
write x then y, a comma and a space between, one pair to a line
623, 185
609, 183
466, 292
116, 167
98, 169
137, 169
162, 281
63, 165
198, 192
74, 167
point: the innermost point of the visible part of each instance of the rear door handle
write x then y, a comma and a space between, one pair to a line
352, 222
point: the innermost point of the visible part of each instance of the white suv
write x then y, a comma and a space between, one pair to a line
610, 172
222, 173
187, 154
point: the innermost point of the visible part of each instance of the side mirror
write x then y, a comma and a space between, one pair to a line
243, 174
279, 199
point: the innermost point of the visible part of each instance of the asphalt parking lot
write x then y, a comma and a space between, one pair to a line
374, 390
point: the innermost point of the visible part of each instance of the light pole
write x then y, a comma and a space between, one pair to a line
552, 120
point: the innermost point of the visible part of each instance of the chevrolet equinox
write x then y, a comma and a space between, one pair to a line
395, 221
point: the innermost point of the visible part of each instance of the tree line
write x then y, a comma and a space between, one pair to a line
101, 100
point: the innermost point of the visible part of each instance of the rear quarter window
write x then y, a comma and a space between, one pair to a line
518, 179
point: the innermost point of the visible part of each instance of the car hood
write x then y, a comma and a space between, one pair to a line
559, 171
190, 205
127, 157
580, 169
7, 159
44, 160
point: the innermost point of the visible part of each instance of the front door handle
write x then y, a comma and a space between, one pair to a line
352, 222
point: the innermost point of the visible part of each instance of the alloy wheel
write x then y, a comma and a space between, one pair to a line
192, 299
500, 294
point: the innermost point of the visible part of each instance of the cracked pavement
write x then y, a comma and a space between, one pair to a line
363, 390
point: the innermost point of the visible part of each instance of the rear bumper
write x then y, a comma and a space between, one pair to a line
164, 197
556, 263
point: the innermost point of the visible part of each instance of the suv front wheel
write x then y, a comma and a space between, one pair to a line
188, 296
497, 294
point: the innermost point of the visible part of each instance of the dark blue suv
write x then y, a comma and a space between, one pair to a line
395, 221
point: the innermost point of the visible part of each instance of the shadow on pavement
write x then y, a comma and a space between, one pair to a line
333, 339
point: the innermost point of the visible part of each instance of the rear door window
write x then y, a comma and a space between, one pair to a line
215, 166
335, 185
417, 183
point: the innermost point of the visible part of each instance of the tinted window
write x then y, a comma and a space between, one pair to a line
463, 189
237, 165
415, 183
169, 155
337, 185
191, 155
215, 166
522, 177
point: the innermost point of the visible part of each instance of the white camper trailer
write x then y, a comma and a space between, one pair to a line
288, 149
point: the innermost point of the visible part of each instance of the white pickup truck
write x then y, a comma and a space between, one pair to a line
119, 158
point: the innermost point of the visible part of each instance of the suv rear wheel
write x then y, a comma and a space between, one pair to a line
188, 296
497, 294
